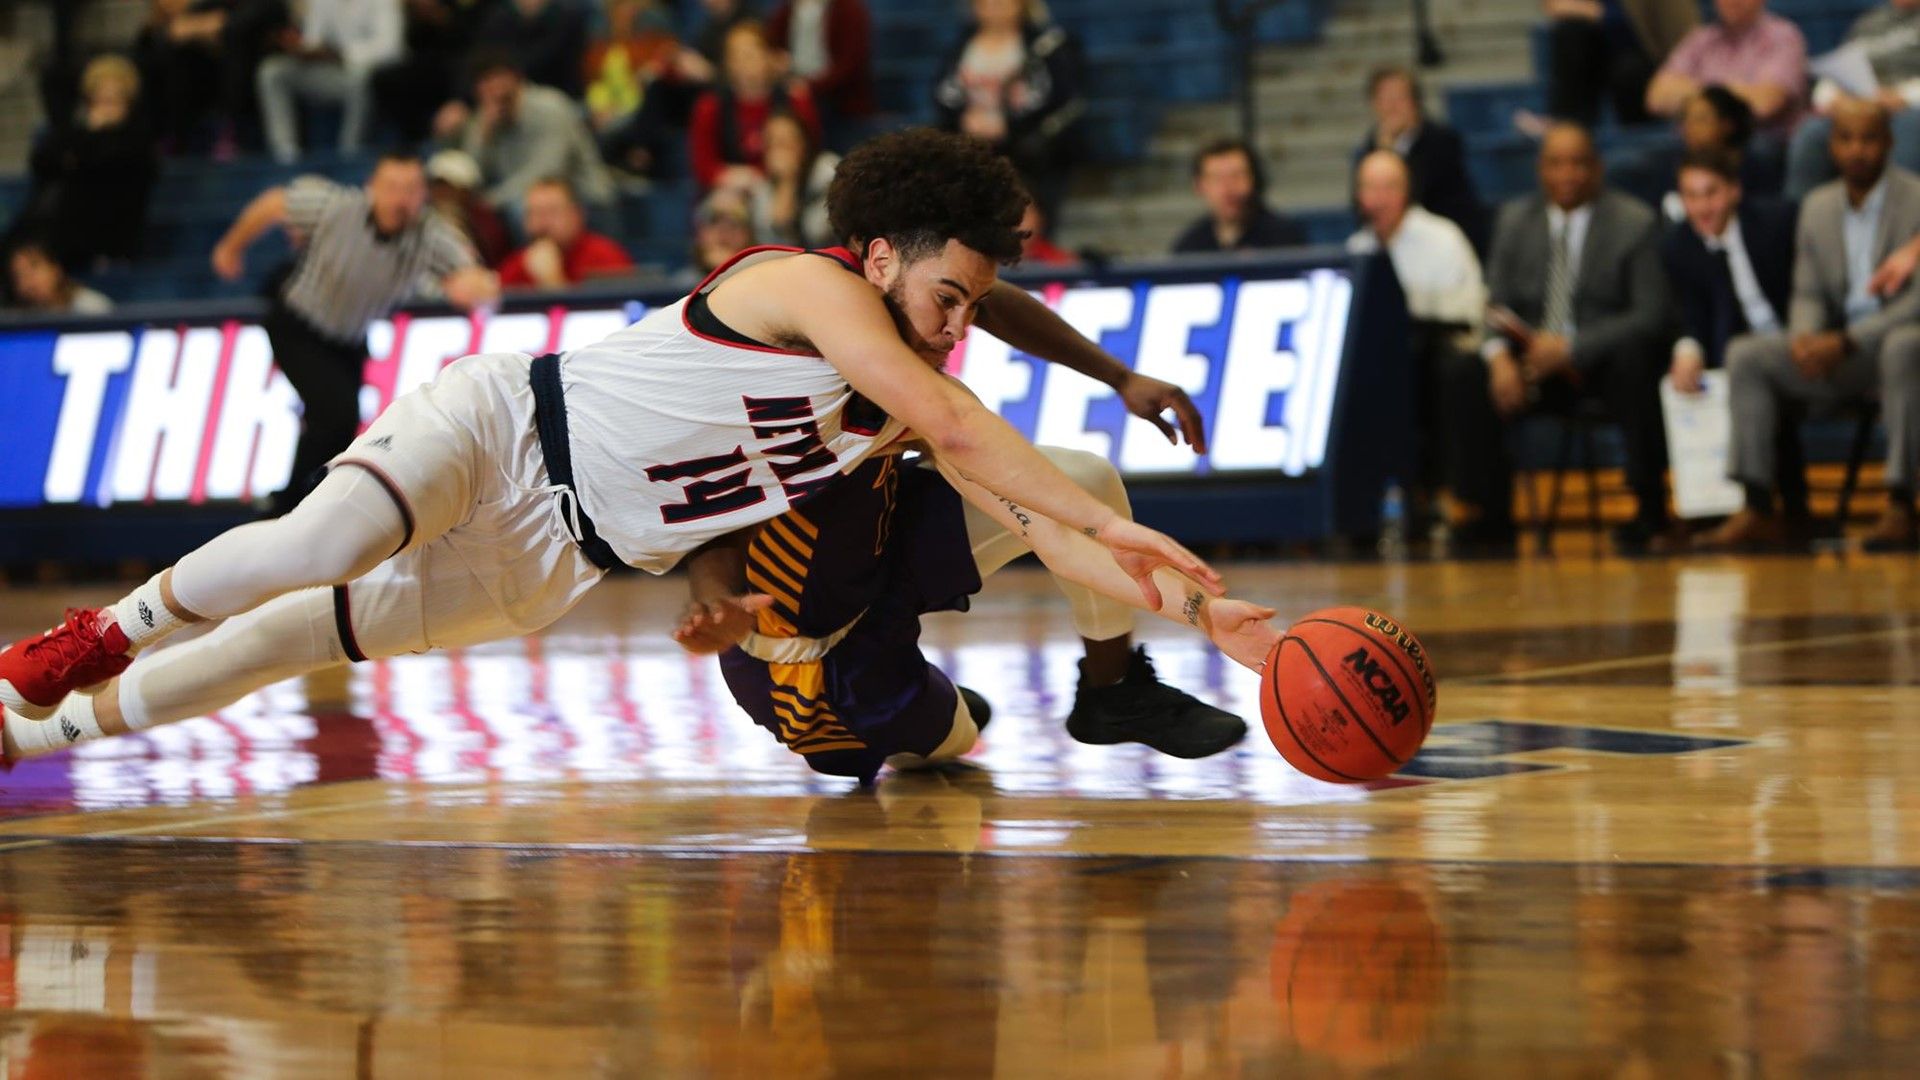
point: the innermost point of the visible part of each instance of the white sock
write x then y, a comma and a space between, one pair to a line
74, 723
144, 617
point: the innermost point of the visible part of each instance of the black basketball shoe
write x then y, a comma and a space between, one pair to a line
1140, 708
977, 706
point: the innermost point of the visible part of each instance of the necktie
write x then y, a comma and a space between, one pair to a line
1559, 312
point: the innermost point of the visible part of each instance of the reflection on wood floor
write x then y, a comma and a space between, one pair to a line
1668, 824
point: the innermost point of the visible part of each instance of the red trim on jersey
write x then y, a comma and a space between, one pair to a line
838, 254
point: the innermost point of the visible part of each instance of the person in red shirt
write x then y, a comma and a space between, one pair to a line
727, 138
1037, 249
830, 43
560, 250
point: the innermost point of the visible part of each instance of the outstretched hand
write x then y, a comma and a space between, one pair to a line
1149, 399
711, 628
1243, 630
1140, 551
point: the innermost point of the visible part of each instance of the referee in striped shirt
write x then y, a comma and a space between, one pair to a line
365, 250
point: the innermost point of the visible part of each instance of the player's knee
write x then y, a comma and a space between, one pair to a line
1093, 474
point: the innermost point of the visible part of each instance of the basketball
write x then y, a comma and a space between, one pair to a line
1347, 695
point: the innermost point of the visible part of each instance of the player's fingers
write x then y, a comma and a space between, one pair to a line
1148, 590
1190, 421
1165, 428
1265, 612
754, 602
1192, 565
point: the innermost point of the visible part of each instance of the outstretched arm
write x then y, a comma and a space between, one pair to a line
722, 612
263, 213
845, 320
1242, 630
1011, 314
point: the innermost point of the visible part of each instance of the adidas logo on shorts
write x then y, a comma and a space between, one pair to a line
384, 442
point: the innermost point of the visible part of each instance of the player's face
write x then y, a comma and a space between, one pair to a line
933, 299
398, 192
1710, 200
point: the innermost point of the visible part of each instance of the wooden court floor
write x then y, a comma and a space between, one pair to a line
1668, 825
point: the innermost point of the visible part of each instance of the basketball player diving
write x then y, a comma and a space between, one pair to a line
484, 504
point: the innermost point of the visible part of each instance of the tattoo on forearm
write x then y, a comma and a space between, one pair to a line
1019, 515
1094, 533
1191, 609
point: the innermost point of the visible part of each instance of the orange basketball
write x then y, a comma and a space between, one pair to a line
1347, 695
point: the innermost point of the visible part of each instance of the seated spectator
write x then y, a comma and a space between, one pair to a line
1431, 256
1581, 310
1228, 178
1729, 261
546, 39
1607, 50
439, 34
1842, 343
41, 285
1036, 249
1013, 81
453, 190
790, 205
332, 60
1891, 37
722, 228
1715, 119
1434, 154
727, 141
1761, 57
520, 133
560, 249
639, 44
94, 171
200, 57
1446, 297
830, 46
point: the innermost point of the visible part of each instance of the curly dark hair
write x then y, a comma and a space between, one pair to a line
920, 188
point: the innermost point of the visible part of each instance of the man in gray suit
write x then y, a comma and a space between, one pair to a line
1580, 308
1842, 343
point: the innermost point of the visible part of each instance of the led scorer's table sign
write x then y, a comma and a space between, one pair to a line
167, 413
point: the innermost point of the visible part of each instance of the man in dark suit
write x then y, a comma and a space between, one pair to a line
1580, 309
1435, 155
1228, 178
1842, 342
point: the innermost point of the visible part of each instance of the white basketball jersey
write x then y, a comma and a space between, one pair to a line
678, 436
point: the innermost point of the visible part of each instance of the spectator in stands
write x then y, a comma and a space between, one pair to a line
1715, 119
94, 171
198, 55
41, 284
830, 46
722, 228
341, 43
727, 141
1729, 260
1434, 154
1013, 81
366, 249
1759, 56
521, 132
1580, 310
439, 35
790, 205
560, 249
1890, 35
1037, 249
631, 96
453, 190
1607, 50
1446, 296
1842, 343
1228, 178
546, 38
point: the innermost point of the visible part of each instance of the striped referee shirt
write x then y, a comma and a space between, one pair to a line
349, 274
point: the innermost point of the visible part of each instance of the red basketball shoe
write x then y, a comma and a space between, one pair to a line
37, 673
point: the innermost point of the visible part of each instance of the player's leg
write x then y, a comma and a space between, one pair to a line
288, 636
1119, 698
345, 528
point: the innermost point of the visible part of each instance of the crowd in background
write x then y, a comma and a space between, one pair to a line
517, 102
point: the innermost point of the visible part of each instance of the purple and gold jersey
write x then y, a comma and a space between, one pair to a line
882, 545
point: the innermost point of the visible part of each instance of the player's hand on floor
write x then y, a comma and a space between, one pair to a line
1140, 551
711, 628
1243, 630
